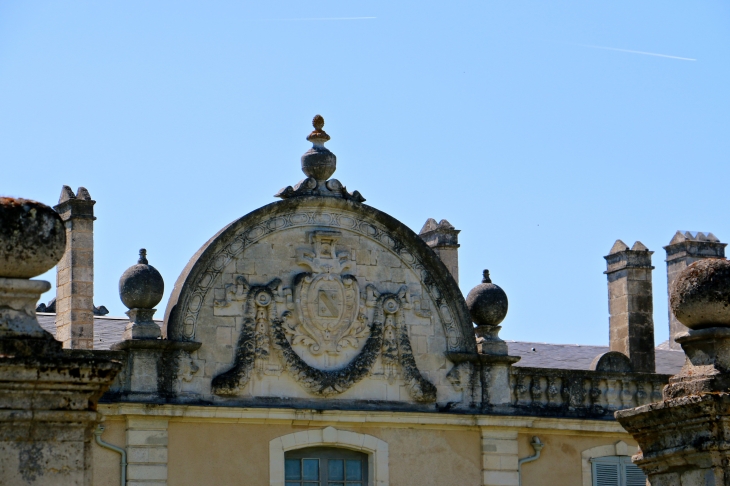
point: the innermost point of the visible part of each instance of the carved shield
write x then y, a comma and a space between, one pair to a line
328, 308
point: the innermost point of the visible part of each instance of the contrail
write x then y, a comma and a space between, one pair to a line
329, 18
637, 52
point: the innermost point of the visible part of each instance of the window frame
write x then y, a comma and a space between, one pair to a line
376, 450
324, 454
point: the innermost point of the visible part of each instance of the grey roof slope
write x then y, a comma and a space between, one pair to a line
109, 330
579, 357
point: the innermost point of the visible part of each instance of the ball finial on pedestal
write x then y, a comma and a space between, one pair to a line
33, 238
700, 295
487, 303
141, 285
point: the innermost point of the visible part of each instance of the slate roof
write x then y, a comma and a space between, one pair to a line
109, 330
579, 357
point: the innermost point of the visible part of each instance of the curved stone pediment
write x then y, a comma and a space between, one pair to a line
327, 294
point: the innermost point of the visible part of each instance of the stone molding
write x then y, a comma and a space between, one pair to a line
376, 449
620, 448
345, 418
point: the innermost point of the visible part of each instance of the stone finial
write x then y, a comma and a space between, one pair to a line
318, 136
700, 299
318, 164
700, 295
685, 248
487, 303
33, 241
33, 238
141, 288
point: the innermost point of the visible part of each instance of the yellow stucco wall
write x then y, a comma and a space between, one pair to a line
235, 454
105, 463
560, 460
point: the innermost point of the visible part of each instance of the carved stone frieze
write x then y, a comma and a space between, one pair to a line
186, 311
324, 328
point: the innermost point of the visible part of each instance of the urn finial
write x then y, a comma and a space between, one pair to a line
318, 136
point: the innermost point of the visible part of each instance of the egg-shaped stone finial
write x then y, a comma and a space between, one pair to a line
487, 303
700, 295
32, 238
141, 286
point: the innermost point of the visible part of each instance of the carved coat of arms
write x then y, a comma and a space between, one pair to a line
326, 301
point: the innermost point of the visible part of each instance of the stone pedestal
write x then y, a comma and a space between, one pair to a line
151, 367
684, 441
141, 325
685, 438
47, 413
494, 366
48, 395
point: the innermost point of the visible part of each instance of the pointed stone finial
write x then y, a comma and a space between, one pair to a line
318, 136
142, 257
618, 247
66, 194
83, 194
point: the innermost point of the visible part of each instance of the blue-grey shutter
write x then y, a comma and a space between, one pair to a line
633, 474
606, 472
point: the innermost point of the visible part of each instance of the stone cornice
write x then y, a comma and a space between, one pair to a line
316, 418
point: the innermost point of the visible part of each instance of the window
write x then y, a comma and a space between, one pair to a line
616, 471
325, 466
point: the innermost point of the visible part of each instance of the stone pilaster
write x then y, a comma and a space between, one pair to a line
684, 249
75, 276
146, 451
499, 458
630, 304
444, 239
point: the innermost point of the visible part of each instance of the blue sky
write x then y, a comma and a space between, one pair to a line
180, 117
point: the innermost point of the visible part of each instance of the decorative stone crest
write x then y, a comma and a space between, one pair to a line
327, 301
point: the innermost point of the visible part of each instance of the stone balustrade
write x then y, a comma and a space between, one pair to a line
582, 393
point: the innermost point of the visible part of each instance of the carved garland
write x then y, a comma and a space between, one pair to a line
253, 343
194, 301
260, 319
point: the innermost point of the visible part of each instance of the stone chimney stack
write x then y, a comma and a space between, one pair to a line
444, 239
630, 305
75, 276
686, 248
